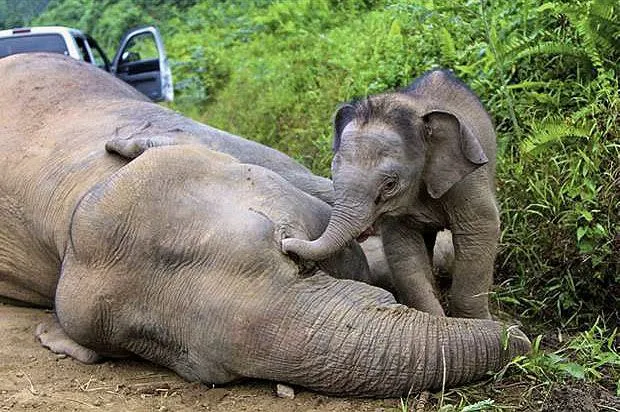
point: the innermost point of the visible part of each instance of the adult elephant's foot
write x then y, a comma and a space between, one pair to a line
51, 335
134, 144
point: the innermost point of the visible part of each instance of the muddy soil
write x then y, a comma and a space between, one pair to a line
579, 397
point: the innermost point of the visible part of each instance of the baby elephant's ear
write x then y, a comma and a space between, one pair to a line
344, 115
454, 151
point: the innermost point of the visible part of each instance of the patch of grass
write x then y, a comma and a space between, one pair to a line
590, 356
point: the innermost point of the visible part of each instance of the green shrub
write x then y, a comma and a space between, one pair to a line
590, 356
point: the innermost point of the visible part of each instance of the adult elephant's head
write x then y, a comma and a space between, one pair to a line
391, 148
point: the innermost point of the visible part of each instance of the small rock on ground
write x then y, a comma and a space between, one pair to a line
284, 391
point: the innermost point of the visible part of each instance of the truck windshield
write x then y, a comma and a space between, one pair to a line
53, 43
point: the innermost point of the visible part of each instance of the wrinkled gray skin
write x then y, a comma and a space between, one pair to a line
415, 162
168, 128
380, 274
176, 256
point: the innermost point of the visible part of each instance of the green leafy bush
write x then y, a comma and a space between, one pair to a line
19, 13
589, 356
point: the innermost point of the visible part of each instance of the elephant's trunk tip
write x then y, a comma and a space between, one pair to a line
339, 232
291, 245
516, 343
302, 248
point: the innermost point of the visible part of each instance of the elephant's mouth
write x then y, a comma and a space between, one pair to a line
369, 231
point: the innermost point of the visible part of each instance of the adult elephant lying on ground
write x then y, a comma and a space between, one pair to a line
176, 256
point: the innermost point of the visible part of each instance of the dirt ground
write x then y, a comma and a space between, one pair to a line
34, 379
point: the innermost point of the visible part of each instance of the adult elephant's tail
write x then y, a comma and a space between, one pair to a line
348, 338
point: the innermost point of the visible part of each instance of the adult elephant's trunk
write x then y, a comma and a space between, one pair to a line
346, 223
348, 338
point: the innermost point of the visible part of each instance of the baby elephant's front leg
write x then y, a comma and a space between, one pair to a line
410, 264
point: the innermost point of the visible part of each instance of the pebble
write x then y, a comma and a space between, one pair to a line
284, 391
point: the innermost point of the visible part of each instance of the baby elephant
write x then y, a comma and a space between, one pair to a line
414, 162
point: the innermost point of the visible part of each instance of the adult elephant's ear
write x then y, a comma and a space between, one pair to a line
453, 151
344, 115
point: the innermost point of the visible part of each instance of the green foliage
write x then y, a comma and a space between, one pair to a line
561, 189
200, 49
597, 29
590, 356
108, 20
275, 71
19, 13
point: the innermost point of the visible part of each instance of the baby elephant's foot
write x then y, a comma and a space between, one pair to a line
51, 335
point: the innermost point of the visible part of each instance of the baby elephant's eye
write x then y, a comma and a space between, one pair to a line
390, 186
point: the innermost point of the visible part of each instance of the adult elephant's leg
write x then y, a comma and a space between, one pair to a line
410, 264
137, 142
52, 336
132, 146
84, 320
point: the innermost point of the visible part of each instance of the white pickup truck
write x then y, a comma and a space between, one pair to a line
140, 59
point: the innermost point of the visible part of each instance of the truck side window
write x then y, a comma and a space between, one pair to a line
52, 43
83, 50
100, 58
140, 47
100, 61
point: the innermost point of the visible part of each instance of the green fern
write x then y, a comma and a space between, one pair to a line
596, 23
589, 38
446, 44
553, 48
545, 133
604, 25
517, 44
596, 26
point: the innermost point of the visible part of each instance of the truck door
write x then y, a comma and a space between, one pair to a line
141, 61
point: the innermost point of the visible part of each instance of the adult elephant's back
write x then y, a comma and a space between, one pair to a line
55, 116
